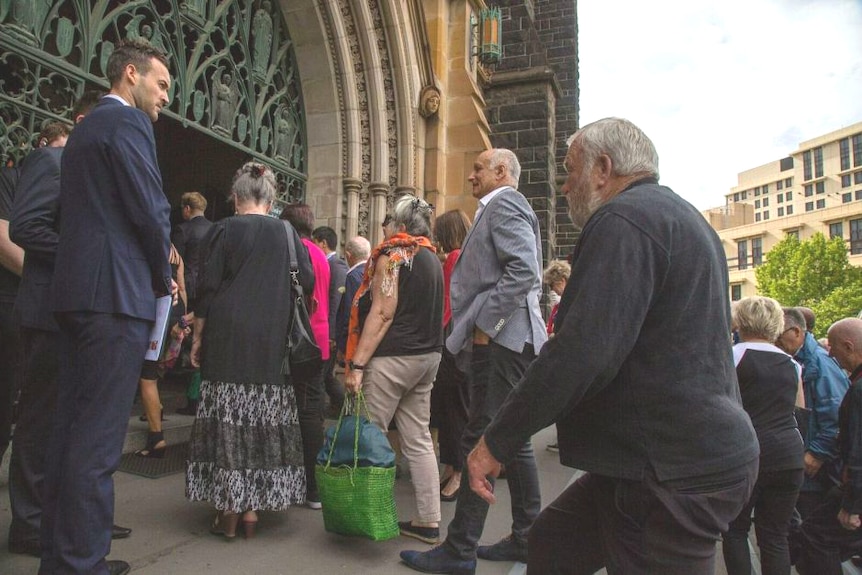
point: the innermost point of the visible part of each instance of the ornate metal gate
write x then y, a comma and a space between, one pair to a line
232, 62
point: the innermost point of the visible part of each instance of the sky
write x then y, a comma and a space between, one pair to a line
721, 87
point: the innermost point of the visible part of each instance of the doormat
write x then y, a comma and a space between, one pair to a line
174, 461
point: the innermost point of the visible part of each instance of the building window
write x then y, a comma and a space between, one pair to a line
736, 292
846, 198
757, 204
736, 197
792, 234
765, 202
820, 187
789, 210
809, 190
757, 251
765, 214
836, 230
857, 178
765, 189
821, 204
779, 198
859, 194
745, 195
756, 191
788, 196
809, 206
857, 150
757, 217
846, 180
779, 184
806, 165
818, 162
844, 153
780, 212
856, 237
788, 182
742, 253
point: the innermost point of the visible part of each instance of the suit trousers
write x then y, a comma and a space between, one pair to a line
636, 527
308, 387
10, 358
494, 372
100, 360
825, 542
334, 388
32, 432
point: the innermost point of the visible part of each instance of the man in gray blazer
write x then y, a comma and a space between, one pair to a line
497, 324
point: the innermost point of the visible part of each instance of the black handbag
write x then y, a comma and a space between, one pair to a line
301, 351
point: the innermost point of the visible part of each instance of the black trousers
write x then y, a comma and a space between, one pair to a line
10, 360
308, 387
32, 432
494, 372
636, 528
825, 543
334, 388
773, 502
450, 403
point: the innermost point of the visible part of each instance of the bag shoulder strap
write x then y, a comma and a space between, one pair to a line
291, 249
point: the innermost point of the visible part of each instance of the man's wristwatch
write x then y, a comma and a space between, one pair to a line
355, 366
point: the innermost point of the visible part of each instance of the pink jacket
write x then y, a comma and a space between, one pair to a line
319, 312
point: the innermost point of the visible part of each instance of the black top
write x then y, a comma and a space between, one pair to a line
8, 280
640, 376
768, 383
245, 298
417, 326
850, 443
188, 238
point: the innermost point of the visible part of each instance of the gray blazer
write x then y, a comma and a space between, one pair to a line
497, 281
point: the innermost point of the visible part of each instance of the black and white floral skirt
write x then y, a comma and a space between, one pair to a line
246, 449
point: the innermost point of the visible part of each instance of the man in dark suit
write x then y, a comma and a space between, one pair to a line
33, 226
11, 264
326, 239
495, 290
111, 264
188, 239
356, 251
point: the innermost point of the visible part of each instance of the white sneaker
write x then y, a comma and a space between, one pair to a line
313, 504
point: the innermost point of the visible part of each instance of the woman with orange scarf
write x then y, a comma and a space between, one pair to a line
394, 341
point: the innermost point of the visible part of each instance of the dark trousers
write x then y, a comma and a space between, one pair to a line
32, 432
450, 402
635, 527
494, 372
772, 501
99, 364
308, 387
825, 543
10, 359
334, 388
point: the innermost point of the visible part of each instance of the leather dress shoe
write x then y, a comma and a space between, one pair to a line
438, 560
506, 549
118, 567
118, 532
26, 547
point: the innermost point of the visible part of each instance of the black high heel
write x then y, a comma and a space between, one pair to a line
152, 449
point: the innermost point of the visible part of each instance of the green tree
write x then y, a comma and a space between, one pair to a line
815, 273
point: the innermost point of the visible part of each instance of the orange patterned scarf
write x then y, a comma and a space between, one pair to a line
400, 248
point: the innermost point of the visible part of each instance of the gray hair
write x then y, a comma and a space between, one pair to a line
557, 270
630, 150
793, 318
758, 317
255, 183
502, 156
358, 248
414, 214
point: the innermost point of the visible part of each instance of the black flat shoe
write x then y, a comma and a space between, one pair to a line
118, 567
156, 446
118, 532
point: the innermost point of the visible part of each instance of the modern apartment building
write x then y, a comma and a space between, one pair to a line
817, 188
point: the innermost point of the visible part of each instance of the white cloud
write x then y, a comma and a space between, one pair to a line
721, 87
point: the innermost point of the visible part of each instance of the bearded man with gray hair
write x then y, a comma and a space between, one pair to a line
639, 379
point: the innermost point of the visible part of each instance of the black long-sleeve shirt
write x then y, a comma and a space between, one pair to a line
640, 376
850, 443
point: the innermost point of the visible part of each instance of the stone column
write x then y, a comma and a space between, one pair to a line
377, 213
351, 208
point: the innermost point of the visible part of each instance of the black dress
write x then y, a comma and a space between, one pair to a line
246, 449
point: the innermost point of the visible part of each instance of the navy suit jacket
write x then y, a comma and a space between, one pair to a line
112, 255
33, 226
337, 277
351, 285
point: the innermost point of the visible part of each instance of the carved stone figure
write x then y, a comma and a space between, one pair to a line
226, 95
262, 26
429, 101
285, 134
